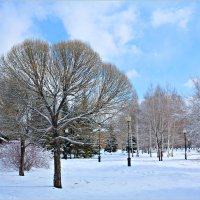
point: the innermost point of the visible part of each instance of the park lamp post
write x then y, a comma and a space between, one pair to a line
129, 157
184, 132
99, 156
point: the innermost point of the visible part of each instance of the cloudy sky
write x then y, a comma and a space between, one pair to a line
153, 42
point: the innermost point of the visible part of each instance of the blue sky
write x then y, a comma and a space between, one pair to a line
153, 42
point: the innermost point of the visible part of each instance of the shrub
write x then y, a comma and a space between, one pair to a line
34, 156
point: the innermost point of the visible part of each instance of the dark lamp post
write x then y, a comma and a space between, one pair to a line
184, 132
99, 156
129, 157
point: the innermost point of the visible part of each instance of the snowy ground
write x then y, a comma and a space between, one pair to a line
86, 179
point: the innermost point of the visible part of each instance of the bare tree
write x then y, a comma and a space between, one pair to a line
58, 75
162, 110
147, 139
15, 115
121, 125
176, 113
193, 115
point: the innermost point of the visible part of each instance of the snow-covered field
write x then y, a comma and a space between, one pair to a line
86, 179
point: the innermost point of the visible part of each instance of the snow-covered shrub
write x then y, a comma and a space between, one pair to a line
34, 156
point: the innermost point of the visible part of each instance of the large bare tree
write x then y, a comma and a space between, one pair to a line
57, 75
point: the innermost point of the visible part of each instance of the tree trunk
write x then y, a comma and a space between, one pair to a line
161, 155
172, 151
168, 145
70, 152
65, 152
158, 153
22, 157
137, 138
161, 148
131, 134
157, 147
150, 142
57, 165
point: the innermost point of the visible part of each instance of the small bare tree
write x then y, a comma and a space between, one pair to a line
15, 115
193, 115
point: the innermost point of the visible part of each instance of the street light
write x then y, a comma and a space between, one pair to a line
129, 157
99, 156
184, 132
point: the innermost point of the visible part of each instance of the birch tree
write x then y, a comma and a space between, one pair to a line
162, 110
59, 74
135, 117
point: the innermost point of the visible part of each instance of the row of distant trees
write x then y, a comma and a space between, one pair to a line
159, 119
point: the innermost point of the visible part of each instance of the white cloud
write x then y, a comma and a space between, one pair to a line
190, 83
178, 17
17, 23
106, 27
13, 27
132, 74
